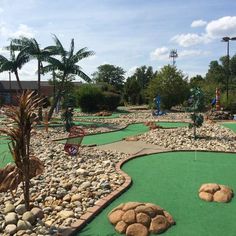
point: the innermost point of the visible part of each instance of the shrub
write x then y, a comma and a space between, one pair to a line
89, 98
111, 101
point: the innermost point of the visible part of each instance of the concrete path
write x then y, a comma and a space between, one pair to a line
133, 147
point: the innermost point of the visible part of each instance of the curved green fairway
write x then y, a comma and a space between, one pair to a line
172, 180
172, 124
115, 136
230, 125
130, 130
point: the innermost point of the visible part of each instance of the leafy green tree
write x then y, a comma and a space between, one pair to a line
110, 74
67, 64
132, 91
13, 64
171, 85
31, 48
144, 75
216, 74
196, 81
233, 72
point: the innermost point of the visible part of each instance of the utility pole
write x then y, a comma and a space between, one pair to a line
173, 55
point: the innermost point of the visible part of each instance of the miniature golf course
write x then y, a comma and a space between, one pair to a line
172, 180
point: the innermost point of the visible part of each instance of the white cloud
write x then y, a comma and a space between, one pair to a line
160, 54
191, 53
225, 26
187, 40
24, 30
1, 10
198, 23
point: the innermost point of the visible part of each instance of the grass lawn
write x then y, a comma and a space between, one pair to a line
172, 180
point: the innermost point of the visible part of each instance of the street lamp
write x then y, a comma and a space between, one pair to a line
227, 39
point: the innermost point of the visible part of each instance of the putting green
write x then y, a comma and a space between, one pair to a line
172, 180
130, 130
230, 125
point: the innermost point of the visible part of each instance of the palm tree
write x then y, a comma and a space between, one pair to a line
15, 63
31, 47
65, 64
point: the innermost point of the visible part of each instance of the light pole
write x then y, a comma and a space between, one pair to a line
227, 39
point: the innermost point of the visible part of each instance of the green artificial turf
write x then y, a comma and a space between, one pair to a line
114, 115
172, 180
130, 130
115, 136
5, 155
230, 125
172, 124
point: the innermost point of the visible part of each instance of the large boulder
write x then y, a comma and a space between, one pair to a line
215, 192
140, 219
116, 216
136, 230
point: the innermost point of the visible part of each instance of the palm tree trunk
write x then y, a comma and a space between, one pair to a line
26, 190
18, 80
40, 113
26, 167
59, 94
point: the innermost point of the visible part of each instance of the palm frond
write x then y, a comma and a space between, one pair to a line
82, 53
72, 47
59, 47
81, 74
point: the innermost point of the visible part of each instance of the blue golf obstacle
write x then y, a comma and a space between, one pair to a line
158, 112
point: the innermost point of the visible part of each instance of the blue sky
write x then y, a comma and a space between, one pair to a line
126, 33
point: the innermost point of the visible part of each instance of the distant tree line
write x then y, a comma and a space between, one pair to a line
108, 82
